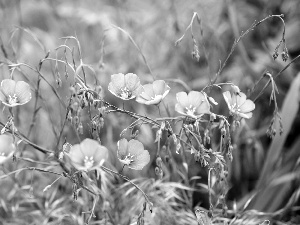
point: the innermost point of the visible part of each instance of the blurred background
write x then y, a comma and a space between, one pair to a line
30, 29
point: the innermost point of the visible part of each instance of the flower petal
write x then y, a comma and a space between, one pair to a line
136, 92
117, 84
76, 155
135, 147
239, 98
22, 92
195, 98
140, 161
100, 155
115, 91
182, 99
147, 92
204, 107
212, 100
156, 100
132, 81
2, 97
7, 147
8, 87
122, 148
141, 100
160, 87
245, 115
228, 100
89, 147
247, 106
180, 109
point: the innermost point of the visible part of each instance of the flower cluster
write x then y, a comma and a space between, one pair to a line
89, 154
193, 104
129, 87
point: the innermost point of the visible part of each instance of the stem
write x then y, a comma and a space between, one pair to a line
243, 34
127, 179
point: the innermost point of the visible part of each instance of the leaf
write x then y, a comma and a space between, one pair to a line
288, 113
268, 197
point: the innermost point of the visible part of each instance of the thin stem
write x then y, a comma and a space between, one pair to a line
274, 77
137, 47
127, 179
243, 34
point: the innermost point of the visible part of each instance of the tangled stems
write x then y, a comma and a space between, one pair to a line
127, 179
71, 177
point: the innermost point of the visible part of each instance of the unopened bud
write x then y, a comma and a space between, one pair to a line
236, 89
223, 132
158, 161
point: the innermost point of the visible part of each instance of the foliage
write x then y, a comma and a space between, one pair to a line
200, 85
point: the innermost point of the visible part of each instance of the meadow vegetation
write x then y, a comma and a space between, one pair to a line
149, 112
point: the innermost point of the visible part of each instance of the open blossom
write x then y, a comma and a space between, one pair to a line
88, 155
132, 154
7, 147
193, 104
13, 93
125, 86
238, 104
152, 94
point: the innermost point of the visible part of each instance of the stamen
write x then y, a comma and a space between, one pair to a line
190, 110
88, 162
125, 93
12, 99
128, 159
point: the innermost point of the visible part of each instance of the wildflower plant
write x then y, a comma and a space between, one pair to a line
200, 135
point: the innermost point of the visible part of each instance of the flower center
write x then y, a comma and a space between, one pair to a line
152, 98
157, 97
12, 99
88, 162
125, 93
236, 107
190, 111
128, 159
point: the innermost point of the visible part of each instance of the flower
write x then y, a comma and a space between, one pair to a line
125, 86
7, 147
152, 94
238, 104
13, 93
132, 154
87, 155
194, 104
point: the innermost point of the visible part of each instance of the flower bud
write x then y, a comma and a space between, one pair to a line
236, 89
159, 161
